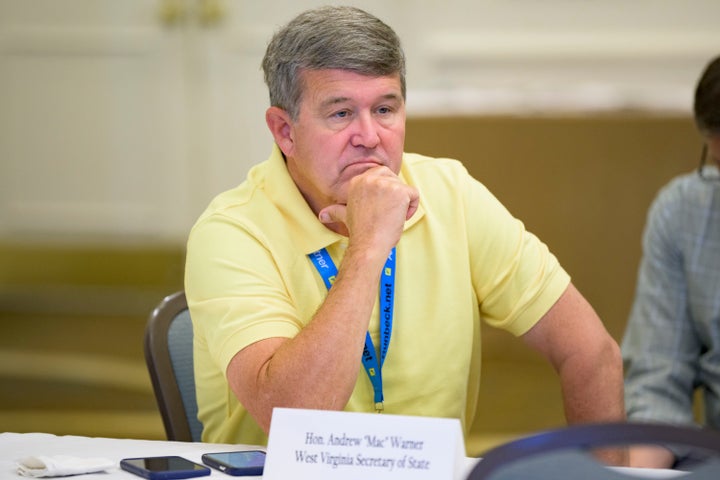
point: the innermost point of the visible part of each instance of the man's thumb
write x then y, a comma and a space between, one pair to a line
333, 214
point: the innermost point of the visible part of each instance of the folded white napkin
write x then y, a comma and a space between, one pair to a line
61, 465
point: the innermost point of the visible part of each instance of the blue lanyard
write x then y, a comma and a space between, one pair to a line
328, 271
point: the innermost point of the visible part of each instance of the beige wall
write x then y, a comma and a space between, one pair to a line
583, 184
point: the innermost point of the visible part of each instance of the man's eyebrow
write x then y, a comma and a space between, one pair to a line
335, 100
392, 96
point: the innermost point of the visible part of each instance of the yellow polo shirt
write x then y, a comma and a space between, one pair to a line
462, 258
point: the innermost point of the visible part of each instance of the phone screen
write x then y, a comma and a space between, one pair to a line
161, 468
250, 462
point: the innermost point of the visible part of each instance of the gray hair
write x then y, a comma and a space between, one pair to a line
707, 99
344, 38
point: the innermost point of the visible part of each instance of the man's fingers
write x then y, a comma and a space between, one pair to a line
333, 214
413, 205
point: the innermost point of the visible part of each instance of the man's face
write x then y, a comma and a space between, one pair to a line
347, 124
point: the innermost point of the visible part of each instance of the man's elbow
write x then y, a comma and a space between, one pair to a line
608, 352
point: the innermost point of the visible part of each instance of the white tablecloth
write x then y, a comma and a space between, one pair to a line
14, 446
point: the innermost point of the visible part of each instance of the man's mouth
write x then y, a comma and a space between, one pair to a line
362, 165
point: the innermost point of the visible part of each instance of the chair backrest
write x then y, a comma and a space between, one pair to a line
564, 452
169, 358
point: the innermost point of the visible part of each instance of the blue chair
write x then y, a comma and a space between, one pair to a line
169, 358
566, 452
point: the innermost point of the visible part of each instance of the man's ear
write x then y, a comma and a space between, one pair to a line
280, 125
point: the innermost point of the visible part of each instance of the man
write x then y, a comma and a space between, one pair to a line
672, 342
346, 274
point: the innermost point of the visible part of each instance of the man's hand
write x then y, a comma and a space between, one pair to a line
651, 456
378, 205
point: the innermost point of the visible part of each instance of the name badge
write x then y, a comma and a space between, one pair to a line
318, 445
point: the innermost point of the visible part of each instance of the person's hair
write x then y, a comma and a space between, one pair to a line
344, 38
707, 99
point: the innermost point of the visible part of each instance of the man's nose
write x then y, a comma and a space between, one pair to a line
366, 132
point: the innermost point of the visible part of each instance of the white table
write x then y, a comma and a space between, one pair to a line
14, 446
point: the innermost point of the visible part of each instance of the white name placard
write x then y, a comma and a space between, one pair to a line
320, 445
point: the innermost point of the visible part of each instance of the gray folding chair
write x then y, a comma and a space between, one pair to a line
169, 358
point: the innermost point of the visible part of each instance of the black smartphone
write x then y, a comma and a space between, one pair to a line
164, 468
242, 463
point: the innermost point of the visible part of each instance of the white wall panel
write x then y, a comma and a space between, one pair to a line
92, 131
121, 119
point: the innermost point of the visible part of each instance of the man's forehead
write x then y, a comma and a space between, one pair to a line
344, 85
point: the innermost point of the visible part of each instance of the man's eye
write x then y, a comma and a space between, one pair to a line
386, 110
341, 114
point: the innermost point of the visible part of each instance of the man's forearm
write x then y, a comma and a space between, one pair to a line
573, 338
318, 368
597, 397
